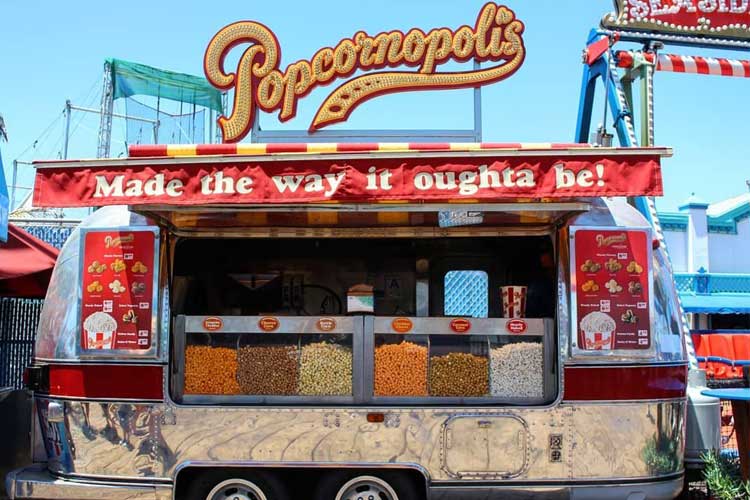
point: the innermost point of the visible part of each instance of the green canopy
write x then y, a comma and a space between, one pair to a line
129, 79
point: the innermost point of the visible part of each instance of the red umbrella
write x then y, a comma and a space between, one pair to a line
26, 264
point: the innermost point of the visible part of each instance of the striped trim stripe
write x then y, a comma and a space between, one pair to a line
175, 150
717, 66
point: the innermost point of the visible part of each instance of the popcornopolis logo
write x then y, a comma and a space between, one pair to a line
259, 82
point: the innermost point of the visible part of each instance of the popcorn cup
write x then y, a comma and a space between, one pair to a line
598, 341
514, 301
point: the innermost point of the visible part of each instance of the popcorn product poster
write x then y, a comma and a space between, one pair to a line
611, 287
118, 283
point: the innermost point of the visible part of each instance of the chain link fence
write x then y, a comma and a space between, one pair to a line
19, 319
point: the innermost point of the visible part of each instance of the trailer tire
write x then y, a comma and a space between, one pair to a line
253, 485
389, 485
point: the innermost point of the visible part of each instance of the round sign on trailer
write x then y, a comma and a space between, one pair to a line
516, 326
268, 323
402, 325
325, 324
213, 324
460, 325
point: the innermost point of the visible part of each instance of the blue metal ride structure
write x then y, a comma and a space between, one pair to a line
601, 63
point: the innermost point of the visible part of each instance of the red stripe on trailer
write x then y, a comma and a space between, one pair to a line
170, 150
344, 147
624, 383
141, 382
215, 149
746, 68
148, 150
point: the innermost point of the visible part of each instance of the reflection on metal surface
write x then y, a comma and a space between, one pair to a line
471, 446
38, 483
130, 441
57, 337
661, 490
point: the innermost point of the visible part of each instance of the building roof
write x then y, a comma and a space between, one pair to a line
722, 215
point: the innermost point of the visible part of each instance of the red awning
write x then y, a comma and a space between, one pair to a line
26, 264
267, 174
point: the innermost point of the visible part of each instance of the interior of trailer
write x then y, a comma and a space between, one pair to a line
266, 317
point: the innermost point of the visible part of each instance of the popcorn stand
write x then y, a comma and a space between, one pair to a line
358, 320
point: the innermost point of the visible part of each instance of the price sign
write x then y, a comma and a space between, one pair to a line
612, 289
118, 280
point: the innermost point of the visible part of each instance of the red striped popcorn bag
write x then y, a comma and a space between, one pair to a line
100, 331
514, 301
598, 331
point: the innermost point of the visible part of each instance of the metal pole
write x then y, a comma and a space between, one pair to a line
67, 129
13, 187
606, 89
156, 125
106, 108
477, 107
114, 115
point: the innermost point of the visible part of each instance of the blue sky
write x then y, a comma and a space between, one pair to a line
53, 51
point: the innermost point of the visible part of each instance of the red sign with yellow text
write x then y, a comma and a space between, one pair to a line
612, 292
260, 83
118, 285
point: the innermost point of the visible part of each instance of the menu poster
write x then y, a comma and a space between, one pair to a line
118, 284
612, 289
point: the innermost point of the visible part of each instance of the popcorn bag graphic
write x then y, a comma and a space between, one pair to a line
514, 301
598, 331
100, 330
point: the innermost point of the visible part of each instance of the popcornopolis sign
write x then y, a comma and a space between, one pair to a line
716, 21
260, 83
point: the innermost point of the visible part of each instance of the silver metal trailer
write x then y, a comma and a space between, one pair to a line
146, 422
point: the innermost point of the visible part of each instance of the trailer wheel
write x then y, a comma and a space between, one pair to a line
366, 486
238, 486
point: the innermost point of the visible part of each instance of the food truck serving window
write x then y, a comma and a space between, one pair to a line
343, 320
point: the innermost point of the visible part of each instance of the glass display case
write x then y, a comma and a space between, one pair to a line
267, 359
459, 360
363, 360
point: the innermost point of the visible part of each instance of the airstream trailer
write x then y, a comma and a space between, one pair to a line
369, 321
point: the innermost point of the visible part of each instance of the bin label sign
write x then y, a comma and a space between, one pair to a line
460, 325
402, 325
516, 326
213, 324
326, 324
268, 323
